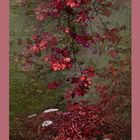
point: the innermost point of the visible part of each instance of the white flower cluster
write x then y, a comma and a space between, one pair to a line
31, 116
47, 123
51, 110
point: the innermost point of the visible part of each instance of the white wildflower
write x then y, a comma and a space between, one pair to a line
46, 123
51, 110
33, 115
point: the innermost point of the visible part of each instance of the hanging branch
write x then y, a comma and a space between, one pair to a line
93, 4
73, 48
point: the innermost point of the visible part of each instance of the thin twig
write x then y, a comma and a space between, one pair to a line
98, 15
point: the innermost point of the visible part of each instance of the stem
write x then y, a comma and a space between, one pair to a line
74, 54
98, 15
75, 60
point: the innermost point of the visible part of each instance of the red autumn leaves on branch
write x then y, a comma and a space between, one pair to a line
80, 121
59, 59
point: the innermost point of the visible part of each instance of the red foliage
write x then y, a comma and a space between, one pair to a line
53, 85
112, 36
59, 59
81, 121
80, 87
